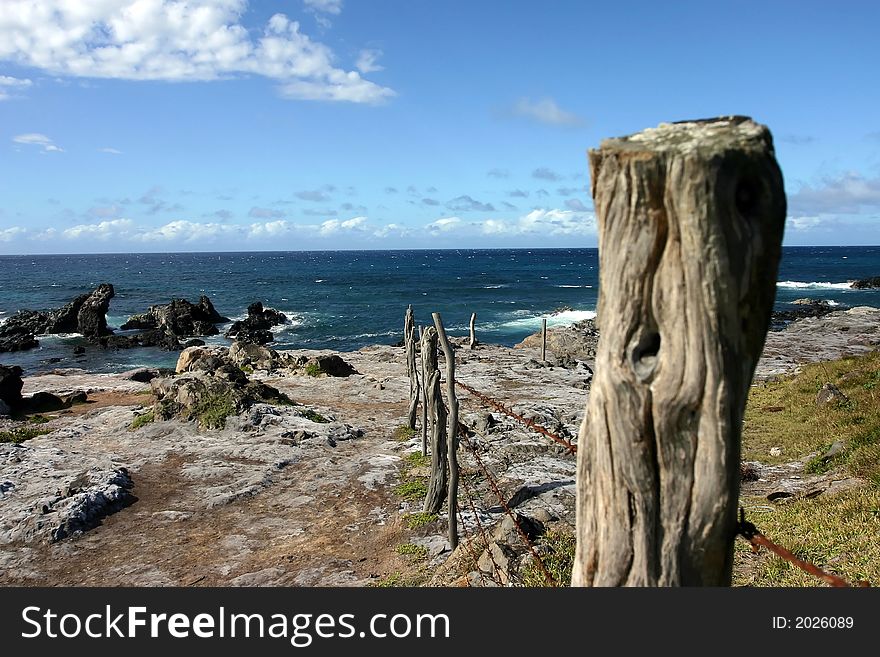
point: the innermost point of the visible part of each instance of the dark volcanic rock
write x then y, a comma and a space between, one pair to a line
866, 283
87, 314
330, 364
255, 327
179, 318
11, 385
91, 318
779, 319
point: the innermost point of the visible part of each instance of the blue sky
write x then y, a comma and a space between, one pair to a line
159, 125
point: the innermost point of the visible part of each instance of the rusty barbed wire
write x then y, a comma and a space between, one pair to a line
496, 569
531, 424
753, 535
463, 432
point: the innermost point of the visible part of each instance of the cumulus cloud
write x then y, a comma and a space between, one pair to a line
9, 86
465, 203
803, 223
176, 40
543, 173
542, 221
443, 225
546, 111
367, 61
317, 195
40, 140
9, 234
848, 193
264, 213
333, 226
103, 231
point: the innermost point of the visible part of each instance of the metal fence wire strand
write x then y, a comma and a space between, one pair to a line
463, 432
495, 568
531, 424
751, 533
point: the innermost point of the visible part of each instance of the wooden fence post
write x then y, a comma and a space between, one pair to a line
473, 334
452, 431
437, 413
690, 218
424, 395
544, 340
409, 336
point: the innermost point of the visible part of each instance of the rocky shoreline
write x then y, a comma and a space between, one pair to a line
250, 466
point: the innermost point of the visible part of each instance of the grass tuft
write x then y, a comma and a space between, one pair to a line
420, 519
557, 554
412, 550
142, 420
19, 435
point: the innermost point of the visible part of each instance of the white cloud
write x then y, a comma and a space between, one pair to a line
9, 234
847, 193
541, 221
366, 61
38, 139
187, 231
444, 225
111, 151
546, 111
105, 230
803, 223
175, 40
327, 6
332, 226
9, 85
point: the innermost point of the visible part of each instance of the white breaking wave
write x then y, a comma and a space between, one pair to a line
563, 318
574, 286
798, 285
493, 287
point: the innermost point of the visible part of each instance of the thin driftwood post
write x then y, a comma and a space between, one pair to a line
437, 417
473, 341
452, 431
544, 339
409, 337
424, 396
690, 218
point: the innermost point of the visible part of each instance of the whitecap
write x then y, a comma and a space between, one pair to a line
814, 285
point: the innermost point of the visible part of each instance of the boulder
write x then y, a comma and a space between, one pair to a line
141, 375
328, 365
830, 393
92, 315
779, 319
18, 342
11, 385
188, 357
256, 356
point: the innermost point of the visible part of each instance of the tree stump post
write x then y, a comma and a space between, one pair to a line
437, 417
473, 334
409, 337
690, 219
452, 430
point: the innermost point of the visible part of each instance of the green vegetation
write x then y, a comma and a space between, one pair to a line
420, 519
314, 416
313, 369
247, 369
413, 490
213, 410
417, 459
19, 435
837, 532
392, 580
142, 420
784, 414
412, 550
557, 554
403, 432
38, 419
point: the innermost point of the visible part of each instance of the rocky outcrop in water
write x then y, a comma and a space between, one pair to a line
779, 319
255, 327
179, 318
87, 314
866, 283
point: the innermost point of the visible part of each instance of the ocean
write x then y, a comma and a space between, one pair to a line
344, 300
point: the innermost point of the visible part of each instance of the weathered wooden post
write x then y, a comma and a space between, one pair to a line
473, 334
544, 340
424, 396
409, 337
452, 431
690, 219
437, 417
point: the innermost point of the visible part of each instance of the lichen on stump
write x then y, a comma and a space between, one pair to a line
690, 219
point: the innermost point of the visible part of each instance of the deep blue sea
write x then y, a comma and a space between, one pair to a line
345, 300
